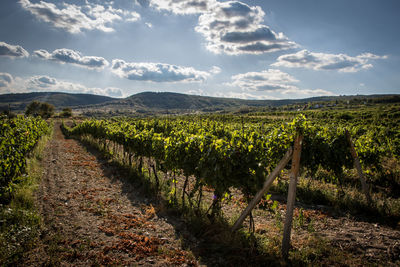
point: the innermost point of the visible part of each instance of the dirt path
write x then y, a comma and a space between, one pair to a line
93, 216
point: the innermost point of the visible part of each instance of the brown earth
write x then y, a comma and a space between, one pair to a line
368, 243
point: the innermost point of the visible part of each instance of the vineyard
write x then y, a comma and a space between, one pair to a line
18, 137
223, 155
211, 190
187, 157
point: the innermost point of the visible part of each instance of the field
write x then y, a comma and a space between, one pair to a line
167, 190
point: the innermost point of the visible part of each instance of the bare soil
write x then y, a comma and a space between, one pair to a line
369, 243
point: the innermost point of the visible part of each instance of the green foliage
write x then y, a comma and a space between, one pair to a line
66, 113
33, 109
36, 108
223, 155
18, 230
8, 113
20, 222
18, 137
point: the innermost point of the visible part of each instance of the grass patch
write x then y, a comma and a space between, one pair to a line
315, 251
20, 222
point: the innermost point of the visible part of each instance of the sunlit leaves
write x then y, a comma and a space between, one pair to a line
223, 154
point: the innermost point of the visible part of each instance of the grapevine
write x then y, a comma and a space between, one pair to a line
18, 137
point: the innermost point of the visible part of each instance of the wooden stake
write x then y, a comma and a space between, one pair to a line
184, 191
155, 175
291, 196
268, 182
357, 165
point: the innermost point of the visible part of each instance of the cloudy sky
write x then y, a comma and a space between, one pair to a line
253, 49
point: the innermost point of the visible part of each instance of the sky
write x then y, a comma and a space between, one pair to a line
250, 49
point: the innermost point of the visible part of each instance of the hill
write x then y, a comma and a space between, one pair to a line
176, 101
20, 101
150, 102
166, 100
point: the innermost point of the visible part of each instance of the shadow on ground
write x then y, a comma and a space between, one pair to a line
211, 242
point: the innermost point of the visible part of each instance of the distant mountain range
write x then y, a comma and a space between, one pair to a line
152, 101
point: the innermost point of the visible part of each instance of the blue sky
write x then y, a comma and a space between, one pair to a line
246, 49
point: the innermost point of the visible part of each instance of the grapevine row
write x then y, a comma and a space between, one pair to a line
229, 155
18, 137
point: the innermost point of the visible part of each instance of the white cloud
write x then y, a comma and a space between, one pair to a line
6, 80
148, 24
157, 72
183, 7
244, 95
74, 18
323, 61
69, 56
113, 92
230, 94
230, 27
43, 83
236, 28
215, 70
273, 81
196, 92
12, 51
267, 80
371, 56
307, 92
49, 84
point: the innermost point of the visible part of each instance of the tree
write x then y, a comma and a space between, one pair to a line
8, 113
46, 110
36, 108
33, 109
66, 113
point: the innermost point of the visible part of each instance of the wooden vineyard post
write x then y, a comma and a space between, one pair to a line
357, 165
291, 196
268, 182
